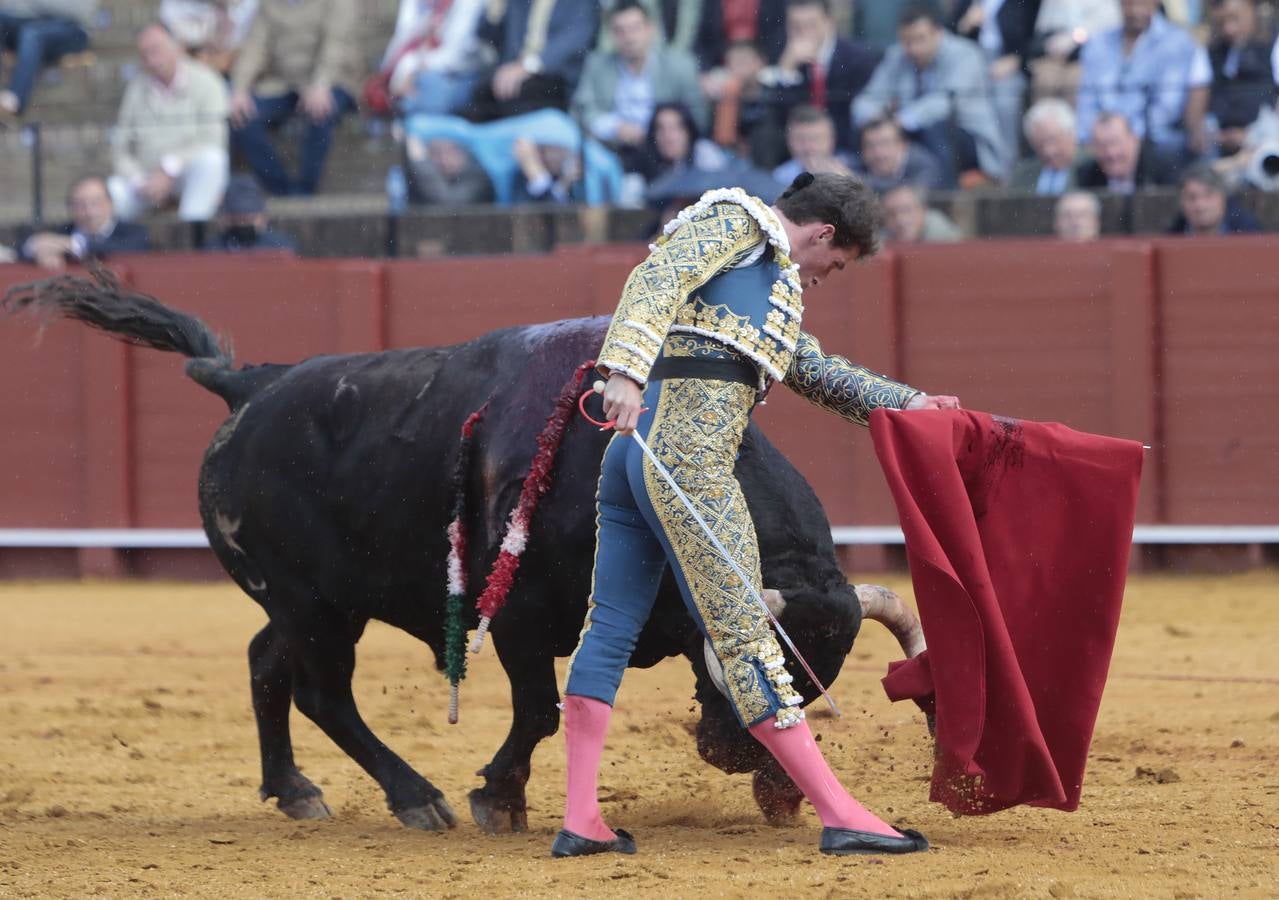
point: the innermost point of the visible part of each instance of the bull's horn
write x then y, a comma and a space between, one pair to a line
886, 608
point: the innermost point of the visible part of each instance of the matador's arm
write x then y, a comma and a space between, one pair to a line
678, 265
835, 384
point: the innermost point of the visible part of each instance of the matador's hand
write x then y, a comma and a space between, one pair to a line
933, 401
622, 399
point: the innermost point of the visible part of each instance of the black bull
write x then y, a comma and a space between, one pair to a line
326, 496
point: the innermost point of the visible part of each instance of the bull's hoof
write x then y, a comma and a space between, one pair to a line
778, 797
296, 796
433, 816
311, 806
496, 816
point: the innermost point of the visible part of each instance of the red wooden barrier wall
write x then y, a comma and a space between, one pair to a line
1172, 342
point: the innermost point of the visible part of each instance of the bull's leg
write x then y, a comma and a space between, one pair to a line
778, 797
500, 805
720, 742
323, 666
272, 685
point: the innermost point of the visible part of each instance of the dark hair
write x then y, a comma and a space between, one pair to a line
653, 164
84, 179
1205, 174
622, 6
921, 9
839, 200
807, 115
1113, 116
824, 4
882, 122
918, 191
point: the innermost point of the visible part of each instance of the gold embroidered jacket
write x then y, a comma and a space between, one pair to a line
714, 237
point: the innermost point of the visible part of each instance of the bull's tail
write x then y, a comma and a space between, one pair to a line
101, 302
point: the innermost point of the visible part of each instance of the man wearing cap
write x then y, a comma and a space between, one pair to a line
242, 222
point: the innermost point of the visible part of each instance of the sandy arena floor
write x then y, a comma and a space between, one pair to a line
129, 766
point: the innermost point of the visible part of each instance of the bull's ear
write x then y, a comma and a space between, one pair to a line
774, 600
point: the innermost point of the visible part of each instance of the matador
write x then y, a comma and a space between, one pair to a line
707, 322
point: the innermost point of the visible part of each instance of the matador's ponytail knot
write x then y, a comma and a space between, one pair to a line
802, 180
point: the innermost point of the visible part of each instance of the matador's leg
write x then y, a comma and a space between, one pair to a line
629, 563
695, 432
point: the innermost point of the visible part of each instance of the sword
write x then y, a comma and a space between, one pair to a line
598, 388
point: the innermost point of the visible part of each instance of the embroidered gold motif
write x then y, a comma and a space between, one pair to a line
835, 384
696, 431
659, 285
694, 346
723, 229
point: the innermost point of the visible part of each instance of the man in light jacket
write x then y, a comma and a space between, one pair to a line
620, 88
299, 55
936, 86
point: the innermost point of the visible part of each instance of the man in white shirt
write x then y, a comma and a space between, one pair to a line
170, 141
435, 57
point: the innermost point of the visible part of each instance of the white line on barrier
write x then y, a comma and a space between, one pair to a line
1142, 534
186, 538
103, 537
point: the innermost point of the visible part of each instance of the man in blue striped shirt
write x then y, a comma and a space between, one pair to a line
1140, 70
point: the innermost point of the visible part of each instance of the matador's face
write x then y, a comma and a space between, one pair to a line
817, 257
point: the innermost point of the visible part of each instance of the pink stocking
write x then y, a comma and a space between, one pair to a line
585, 724
799, 755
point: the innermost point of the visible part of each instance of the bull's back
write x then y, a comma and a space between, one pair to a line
349, 458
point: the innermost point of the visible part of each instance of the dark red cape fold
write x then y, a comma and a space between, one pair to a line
1017, 535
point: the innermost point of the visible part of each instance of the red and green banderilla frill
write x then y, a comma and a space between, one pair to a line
502, 576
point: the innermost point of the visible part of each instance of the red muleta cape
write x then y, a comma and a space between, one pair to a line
1017, 535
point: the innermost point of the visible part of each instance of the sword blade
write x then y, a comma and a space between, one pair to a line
728, 558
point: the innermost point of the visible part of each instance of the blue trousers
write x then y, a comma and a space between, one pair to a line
36, 43
694, 427
254, 143
439, 93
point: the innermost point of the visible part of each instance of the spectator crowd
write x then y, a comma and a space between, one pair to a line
650, 102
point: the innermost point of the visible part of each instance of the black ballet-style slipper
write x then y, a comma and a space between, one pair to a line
569, 844
847, 842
